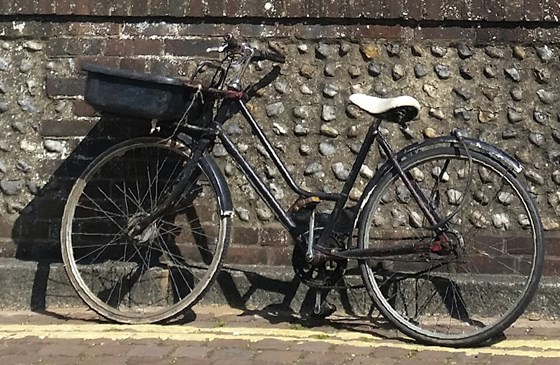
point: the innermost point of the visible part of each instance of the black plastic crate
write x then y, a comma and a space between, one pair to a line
133, 94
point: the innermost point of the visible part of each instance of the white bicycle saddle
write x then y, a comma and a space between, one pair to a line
400, 109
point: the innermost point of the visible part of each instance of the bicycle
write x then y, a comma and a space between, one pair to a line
147, 224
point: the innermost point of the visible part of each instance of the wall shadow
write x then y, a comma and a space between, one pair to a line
36, 232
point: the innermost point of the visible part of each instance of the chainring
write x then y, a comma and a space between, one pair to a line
324, 275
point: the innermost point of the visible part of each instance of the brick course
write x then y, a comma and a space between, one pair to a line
418, 10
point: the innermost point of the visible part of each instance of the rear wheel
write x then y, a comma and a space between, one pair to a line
482, 267
169, 266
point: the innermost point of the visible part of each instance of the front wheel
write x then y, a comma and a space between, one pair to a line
166, 268
484, 263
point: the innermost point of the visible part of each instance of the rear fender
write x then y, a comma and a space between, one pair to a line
476, 145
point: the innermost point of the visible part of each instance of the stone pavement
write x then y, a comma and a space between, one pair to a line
222, 335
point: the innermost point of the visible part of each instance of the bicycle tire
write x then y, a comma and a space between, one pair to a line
503, 247
169, 267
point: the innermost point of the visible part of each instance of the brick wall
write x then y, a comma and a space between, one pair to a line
50, 133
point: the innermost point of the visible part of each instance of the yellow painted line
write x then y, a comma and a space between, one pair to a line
529, 348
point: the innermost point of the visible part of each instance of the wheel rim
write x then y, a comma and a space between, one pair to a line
168, 266
447, 301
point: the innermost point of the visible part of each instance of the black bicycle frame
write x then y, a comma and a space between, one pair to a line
340, 199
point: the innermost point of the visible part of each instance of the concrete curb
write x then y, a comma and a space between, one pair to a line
41, 285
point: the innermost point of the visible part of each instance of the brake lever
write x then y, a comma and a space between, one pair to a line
219, 49
229, 43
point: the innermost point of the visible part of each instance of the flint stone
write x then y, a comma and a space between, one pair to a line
542, 75
305, 90
26, 65
327, 149
330, 70
27, 106
556, 177
416, 50
438, 51
313, 168
23, 166
490, 71
329, 131
330, 90
462, 113
33, 46
264, 214
375, 68
545, 53
354, 71
242, 213
307, 71
513, 74
324, 50
380, 90
494, 52
420, 70
534, 177
540, 116
3, 64
516, 94
301, 130
466, 72
11, 187
509, 133
344, 48
393, 50
398, 72
275, 109
546, 96
304, 149
281, 87
537, 139
279, 129
519, 52
514, 116
442, 71
328, 113
464, 51
340, 171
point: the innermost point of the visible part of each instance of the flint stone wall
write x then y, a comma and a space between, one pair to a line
492, 70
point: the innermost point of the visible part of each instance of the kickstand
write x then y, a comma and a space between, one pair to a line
322, 308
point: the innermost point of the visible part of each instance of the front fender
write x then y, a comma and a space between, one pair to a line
208, 163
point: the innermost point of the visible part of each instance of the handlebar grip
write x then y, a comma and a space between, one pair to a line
271, 56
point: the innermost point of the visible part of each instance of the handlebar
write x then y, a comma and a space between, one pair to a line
231, 45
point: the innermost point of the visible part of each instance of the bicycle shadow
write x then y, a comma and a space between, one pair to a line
371, 323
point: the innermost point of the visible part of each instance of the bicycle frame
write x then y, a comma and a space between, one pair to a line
340, 199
